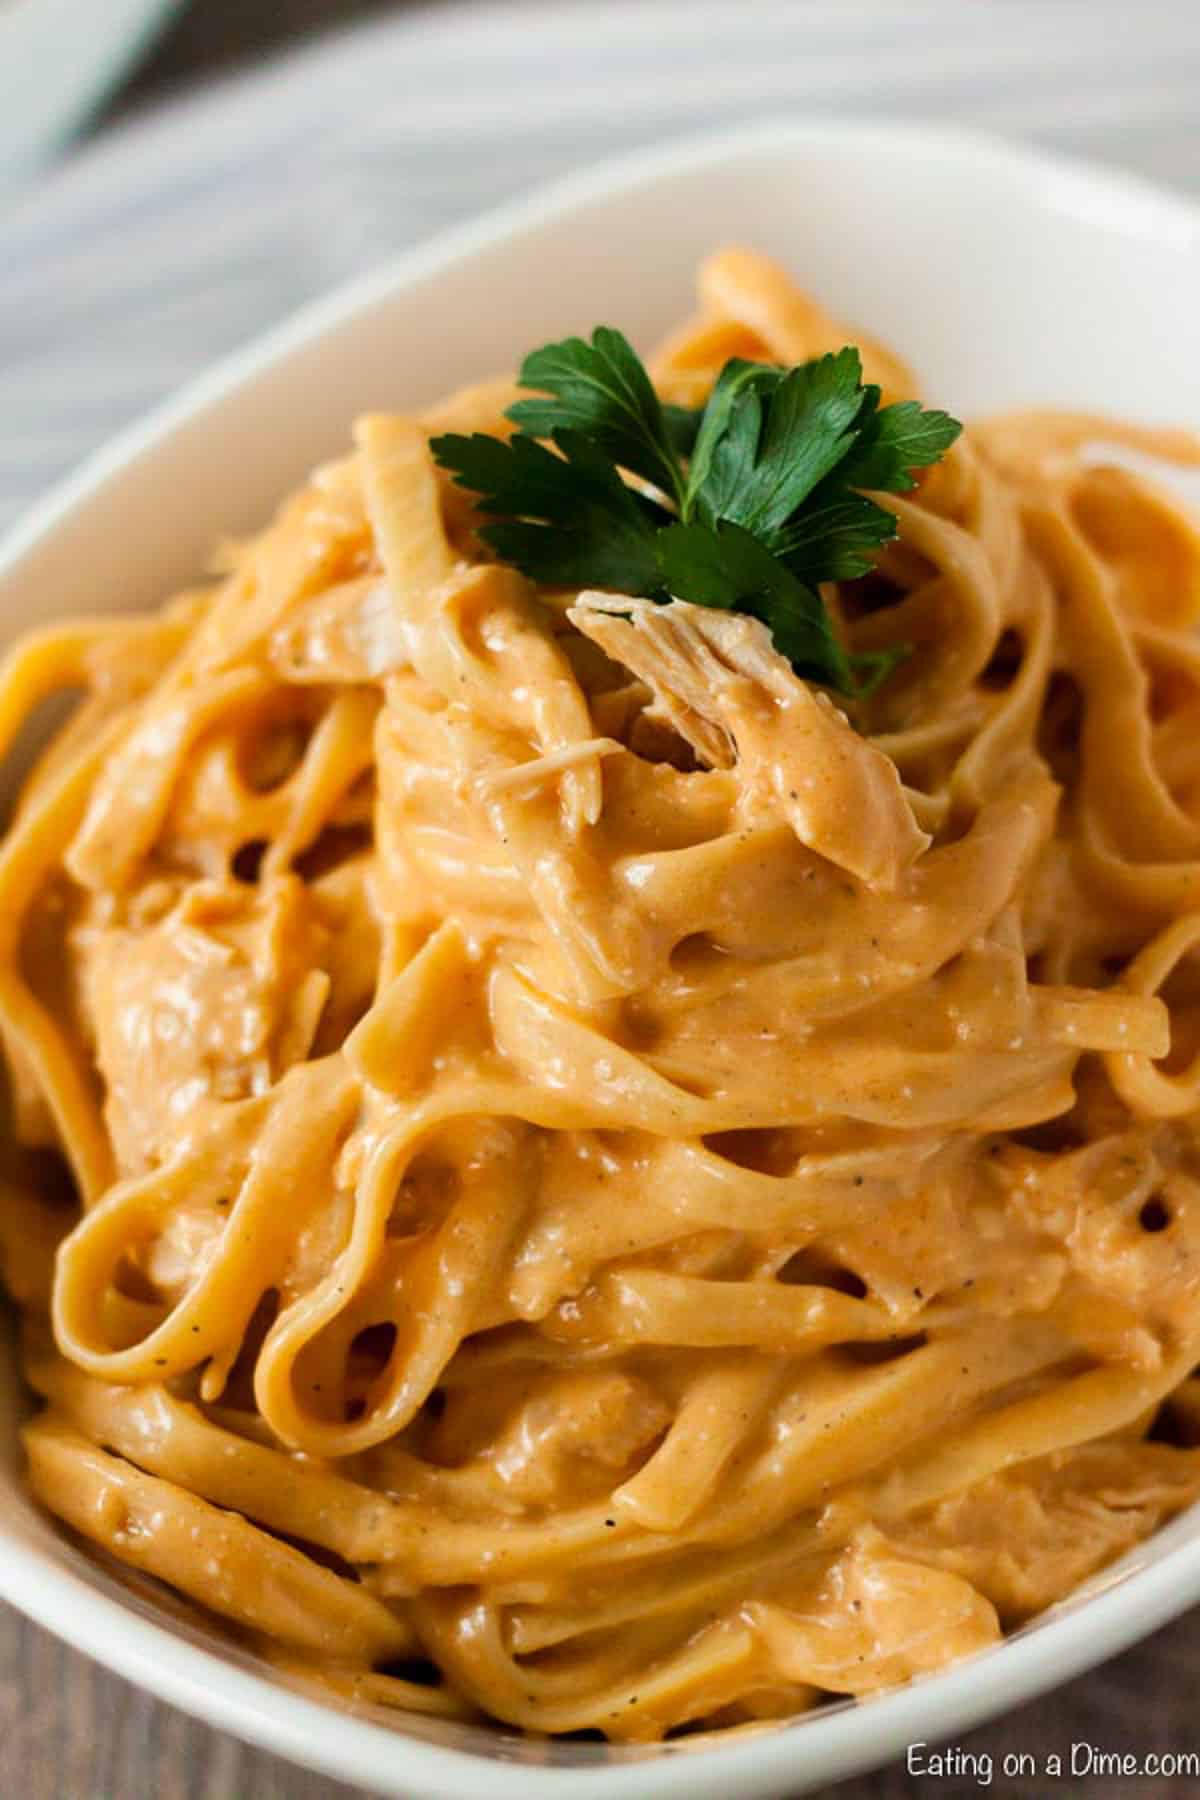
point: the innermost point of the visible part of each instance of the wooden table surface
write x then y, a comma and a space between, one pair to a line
70, 1731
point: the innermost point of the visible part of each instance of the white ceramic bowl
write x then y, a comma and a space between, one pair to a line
1007, 277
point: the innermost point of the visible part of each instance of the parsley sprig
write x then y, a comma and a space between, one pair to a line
747, 504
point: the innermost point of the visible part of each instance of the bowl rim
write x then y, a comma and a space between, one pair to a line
849, 1739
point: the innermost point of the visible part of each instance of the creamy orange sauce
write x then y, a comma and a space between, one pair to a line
594, 1170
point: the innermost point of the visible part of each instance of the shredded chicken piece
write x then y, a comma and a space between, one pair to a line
591, 1426
211, 1002
878, 1618
347, 633
1026, 1536
718, 680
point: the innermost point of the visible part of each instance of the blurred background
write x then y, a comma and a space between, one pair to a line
176, 175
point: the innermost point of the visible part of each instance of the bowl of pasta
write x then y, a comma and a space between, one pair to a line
601, 1180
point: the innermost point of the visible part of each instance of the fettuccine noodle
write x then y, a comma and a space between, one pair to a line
602, 1194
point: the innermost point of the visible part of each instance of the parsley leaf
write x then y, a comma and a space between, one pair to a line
876, 666
602, 390
571, 521
683, 424
729, 567
737, 379
895, 441
756, 498
781, 433
833, 539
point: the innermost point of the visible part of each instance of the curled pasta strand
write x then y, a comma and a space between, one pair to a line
31, 851
432, 1307
1148, 1092
267, 1177
252, 1578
